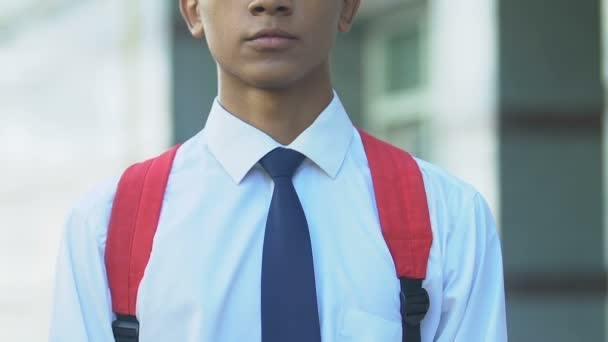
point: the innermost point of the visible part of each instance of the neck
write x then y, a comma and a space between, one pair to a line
281, 113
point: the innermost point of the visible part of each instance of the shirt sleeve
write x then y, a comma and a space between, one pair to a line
473, 307
81, 309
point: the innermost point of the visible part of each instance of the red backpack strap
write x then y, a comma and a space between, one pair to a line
133, 221
406, 225
402, 206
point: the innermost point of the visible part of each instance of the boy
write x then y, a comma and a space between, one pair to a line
279, 147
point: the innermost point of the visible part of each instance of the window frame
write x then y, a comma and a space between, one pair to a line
384, 109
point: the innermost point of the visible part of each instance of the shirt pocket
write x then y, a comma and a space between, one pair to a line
362, 326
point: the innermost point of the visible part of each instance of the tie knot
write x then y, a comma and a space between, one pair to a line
282, 162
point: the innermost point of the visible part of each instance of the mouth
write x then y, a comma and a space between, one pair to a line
271, 39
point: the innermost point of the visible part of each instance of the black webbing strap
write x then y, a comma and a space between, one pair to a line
414, 306
125, 329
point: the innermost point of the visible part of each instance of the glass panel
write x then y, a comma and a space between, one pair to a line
408, 135
403, 61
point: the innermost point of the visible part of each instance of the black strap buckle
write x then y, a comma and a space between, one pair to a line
125, 329
414, 306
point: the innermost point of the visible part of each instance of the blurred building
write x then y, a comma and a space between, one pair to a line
84, 91
507, 95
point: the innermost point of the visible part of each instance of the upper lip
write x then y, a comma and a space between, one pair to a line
272, 33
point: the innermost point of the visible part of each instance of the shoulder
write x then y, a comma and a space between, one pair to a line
461, 219
443, 188
88, 219
90, 216
449, 196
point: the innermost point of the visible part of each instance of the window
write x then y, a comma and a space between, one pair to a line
396, 78
403, 60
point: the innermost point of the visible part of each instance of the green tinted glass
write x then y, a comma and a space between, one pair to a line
403, 61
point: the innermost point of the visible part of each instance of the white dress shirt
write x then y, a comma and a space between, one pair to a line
202, 282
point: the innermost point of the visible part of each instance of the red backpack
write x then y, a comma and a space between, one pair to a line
402, 208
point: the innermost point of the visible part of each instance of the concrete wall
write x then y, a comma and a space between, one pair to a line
82, 94
464, 64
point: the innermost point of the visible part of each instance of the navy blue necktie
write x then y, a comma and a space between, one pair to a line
289, 298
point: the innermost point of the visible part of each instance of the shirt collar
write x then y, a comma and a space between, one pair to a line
238, 146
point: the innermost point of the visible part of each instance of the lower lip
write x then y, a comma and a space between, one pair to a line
271, 43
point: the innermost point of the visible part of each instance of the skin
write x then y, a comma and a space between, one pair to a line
280, 91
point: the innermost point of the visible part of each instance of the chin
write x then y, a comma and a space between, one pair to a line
269, 82
272, 77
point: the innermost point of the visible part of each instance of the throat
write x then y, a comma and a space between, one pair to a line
281, 115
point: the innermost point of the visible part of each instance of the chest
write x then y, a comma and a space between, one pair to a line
205, 268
